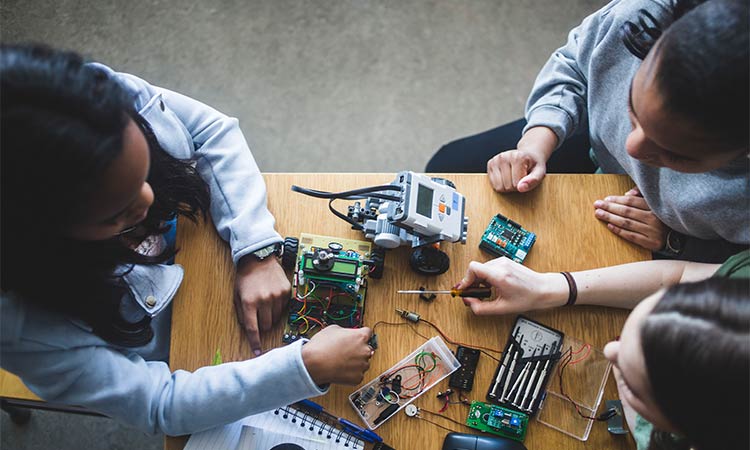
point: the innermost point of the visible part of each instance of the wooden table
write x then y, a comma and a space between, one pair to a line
560, 212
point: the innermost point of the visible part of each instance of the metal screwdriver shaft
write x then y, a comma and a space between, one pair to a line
476, 292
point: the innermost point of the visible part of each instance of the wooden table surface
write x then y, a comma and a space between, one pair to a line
560, 212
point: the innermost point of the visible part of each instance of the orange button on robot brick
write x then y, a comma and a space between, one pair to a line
441, 207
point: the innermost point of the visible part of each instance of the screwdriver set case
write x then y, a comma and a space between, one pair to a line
526, 366
538, 391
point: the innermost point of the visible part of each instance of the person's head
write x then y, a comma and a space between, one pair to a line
79, 167
683, 362
688, 102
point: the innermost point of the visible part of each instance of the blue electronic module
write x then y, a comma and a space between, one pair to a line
504, 237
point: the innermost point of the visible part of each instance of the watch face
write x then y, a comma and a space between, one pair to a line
674, 242
265, 252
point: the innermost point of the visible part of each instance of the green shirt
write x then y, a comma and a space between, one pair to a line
737, 266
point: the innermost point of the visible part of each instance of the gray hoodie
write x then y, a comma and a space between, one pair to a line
587, 82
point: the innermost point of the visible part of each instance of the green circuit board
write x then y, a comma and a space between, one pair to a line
504, 237
498, 420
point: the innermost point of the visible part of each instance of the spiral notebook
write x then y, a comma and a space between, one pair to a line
282, 429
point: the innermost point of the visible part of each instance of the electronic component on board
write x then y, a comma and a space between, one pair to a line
408, 379
503, 237
329, 283
498, 420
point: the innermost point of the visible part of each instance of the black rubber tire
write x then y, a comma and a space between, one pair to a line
429, 261
378, 256
289, 258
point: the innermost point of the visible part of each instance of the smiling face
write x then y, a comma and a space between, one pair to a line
123, 197
663, 138
626, 356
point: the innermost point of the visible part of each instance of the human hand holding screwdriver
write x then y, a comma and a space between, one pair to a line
518, 288
524, 168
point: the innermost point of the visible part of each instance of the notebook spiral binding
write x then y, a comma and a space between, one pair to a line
324, 429
318, 425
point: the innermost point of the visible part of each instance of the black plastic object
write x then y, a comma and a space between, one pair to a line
465, 441
289, 257
378, 258
463, 378
429, 261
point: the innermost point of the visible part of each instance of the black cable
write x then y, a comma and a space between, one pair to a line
351, 193
355, 225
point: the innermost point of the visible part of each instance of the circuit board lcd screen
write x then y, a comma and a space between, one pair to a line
343, 267
424, 201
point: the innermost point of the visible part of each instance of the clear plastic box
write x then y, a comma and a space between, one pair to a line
378, 400
583, 381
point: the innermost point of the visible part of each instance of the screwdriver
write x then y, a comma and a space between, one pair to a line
471, 291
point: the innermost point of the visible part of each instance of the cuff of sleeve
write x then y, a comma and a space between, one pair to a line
556, 119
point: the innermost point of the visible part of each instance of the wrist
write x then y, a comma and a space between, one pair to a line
249, 263
540, 141
313, 364
556, 290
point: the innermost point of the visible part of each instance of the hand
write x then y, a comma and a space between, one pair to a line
519, 288
261, 291
524, 168
630, 217
338, 355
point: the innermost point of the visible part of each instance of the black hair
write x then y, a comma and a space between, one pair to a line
62, 124
696, 346
703, 63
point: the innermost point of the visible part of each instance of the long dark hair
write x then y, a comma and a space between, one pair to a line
62, 124
696, 345
703, 63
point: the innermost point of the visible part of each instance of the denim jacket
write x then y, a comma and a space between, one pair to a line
62, 361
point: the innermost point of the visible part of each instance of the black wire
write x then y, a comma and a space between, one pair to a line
437, 425
443, 416
355, 225
351, 193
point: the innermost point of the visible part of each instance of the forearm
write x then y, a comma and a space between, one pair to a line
624, 286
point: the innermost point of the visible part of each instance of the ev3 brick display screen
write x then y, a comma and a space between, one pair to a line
424, 201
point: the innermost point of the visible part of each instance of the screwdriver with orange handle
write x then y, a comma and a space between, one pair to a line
475, 291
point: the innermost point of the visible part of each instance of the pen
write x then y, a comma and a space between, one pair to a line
310, 406
367, 435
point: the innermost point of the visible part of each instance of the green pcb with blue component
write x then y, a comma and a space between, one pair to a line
503, 237
498, 420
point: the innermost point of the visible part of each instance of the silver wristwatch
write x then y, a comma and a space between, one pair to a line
274, 249
674, 244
